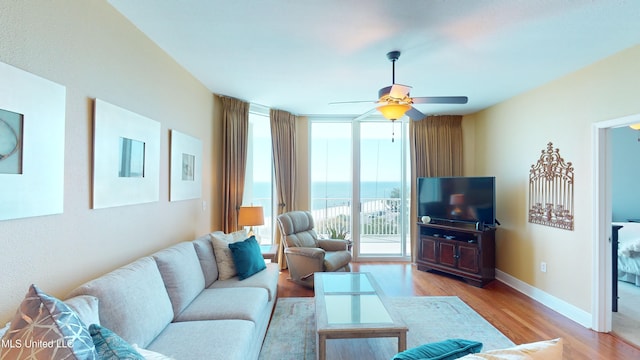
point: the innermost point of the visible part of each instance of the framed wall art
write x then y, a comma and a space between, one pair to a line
126, 157
186, 167
32, 125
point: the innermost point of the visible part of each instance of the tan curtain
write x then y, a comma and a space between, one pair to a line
436, 150
235, 134
283, 139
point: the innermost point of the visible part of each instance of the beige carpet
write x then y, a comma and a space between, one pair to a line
626, 322
291, 334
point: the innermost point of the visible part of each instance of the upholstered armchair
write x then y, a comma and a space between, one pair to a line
305, 253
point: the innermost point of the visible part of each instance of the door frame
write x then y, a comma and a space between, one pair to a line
601, 307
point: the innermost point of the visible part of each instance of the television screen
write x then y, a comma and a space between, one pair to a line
467, 199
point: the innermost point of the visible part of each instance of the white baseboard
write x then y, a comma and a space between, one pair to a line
576, 314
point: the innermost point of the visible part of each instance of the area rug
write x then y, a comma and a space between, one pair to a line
291, 333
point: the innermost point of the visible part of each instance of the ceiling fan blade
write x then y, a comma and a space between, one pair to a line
441, 100
399, 91
362, 116
351, 102
415, 114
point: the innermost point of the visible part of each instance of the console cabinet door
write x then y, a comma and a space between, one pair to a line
468, 256
448, 254
429, 250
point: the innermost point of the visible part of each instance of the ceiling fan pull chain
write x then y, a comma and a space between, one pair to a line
393, 130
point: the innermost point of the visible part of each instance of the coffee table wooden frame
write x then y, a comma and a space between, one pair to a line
326, 331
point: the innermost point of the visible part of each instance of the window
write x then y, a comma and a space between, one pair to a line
258, 185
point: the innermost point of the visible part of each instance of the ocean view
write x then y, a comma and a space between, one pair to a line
331, 194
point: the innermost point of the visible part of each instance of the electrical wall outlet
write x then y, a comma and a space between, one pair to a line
543, 267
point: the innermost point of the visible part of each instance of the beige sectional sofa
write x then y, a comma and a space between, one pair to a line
173, 303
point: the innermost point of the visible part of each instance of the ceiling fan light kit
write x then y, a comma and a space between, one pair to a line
394, 101
393, 111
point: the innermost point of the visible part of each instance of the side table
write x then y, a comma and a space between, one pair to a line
269, 251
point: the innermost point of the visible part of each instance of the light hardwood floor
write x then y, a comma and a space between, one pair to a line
517, 316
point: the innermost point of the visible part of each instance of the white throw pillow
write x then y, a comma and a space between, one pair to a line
543, 350
224, 257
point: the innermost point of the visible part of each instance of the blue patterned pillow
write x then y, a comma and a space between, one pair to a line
46, 328
247, 257
110, 346
442, 350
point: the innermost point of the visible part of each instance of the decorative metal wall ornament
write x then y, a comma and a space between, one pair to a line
551, 190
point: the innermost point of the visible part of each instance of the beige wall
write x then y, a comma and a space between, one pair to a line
95, 52
508, 139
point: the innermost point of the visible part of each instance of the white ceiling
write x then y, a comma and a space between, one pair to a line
301, 55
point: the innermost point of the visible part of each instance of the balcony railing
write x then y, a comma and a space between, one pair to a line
380, 231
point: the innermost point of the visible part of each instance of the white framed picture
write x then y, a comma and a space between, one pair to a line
186, 167
32, 133
126, 157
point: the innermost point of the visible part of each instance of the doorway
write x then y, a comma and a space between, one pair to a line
603, 316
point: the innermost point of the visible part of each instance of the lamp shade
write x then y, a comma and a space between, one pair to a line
393, 111
251, 216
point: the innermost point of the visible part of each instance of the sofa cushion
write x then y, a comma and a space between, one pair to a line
542, 350
266, 279
442, 350
181, 273
43, 319
86, 307
110, 346
247, 257
224, 259
150, 355
232, 303
204, 249
133, 301
211, 340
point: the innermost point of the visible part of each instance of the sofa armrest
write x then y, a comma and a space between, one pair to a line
333, 244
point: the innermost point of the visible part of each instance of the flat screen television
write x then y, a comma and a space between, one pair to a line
460, 199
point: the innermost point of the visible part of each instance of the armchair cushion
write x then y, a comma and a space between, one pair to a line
336, 260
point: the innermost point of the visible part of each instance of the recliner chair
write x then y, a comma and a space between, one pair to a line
305, 253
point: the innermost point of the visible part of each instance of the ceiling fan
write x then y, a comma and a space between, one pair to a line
394, 101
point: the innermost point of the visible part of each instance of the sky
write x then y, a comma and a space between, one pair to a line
331, 151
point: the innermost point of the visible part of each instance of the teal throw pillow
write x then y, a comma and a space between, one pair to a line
443, 350
110, 346
247, 257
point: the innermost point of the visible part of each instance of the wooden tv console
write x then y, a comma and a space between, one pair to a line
457, 249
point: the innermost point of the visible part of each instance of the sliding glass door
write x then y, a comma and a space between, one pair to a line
362, 163
383, 189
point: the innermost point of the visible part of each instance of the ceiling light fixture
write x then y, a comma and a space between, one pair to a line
635, 126
393, 111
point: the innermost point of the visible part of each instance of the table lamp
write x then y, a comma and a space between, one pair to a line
250, 216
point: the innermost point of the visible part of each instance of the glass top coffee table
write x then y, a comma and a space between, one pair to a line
352, 305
